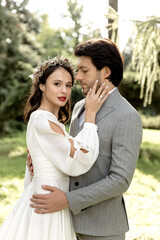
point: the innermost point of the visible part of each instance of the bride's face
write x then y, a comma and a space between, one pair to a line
57, 89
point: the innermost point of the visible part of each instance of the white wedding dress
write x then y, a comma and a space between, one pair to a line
52, 166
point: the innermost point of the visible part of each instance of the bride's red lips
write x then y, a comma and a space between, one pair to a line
62, 98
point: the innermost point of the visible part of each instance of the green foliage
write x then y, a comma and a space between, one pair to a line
142, 197
12, 165
19, 53
77, 94
25, 40
50, 39
13, 153
149, 158
63, 41
146, 50
130, 89
75, 12
152, 122
112, 26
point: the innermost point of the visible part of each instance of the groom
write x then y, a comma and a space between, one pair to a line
96, 197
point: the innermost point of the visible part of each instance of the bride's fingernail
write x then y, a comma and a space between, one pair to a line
106, 87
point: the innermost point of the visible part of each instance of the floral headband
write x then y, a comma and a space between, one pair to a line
43, 66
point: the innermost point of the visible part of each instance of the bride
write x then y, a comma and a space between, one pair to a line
55, 154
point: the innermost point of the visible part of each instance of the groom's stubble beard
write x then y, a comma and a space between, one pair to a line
98, 77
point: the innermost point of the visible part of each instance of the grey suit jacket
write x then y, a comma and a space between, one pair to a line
96, 197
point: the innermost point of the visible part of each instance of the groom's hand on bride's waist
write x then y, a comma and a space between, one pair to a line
29, 163
50, 202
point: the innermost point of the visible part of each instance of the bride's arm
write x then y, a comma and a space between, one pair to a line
93, 102
73, 156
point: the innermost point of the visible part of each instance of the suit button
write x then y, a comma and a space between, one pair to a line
76, 183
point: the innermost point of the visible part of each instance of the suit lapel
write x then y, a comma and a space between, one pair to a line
78, 113
80, 109
108, 106
74, 126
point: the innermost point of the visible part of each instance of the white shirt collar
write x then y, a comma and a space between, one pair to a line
111, 90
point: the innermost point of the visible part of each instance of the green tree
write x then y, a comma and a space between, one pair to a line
146, 56
50, 39
75, 13
18, 53
112, 20
77, 34
144, 45
63, 41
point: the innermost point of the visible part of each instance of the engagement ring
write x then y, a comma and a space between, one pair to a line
101, 97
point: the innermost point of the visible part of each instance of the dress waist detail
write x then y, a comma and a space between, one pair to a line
45, 169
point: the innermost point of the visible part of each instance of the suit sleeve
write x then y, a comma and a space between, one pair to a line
126, 142
56, 147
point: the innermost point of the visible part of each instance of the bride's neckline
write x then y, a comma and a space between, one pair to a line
47, 111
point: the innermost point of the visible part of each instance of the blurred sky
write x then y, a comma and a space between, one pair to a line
94, 12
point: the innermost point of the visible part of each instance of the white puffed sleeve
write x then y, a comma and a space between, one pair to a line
56, 147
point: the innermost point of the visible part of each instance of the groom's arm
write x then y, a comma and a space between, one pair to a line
126, 142
125, 149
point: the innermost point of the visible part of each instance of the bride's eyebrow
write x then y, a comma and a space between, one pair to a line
58, 80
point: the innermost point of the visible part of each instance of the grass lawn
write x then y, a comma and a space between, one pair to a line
142, 199
12, 165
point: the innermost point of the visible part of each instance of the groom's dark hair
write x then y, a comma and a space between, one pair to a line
103, 52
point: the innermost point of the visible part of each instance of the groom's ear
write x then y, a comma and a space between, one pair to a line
106, 72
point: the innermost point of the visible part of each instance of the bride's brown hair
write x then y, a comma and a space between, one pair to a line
43, 71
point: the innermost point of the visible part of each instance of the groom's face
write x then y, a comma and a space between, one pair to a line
87, 73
